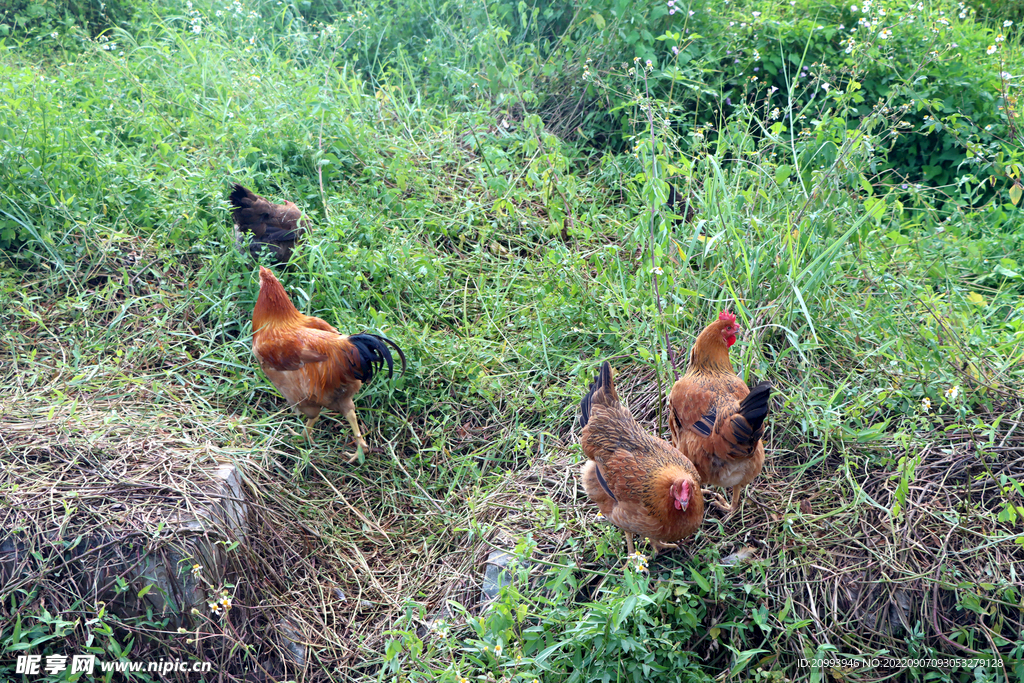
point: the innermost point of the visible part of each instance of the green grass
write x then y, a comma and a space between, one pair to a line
508, 263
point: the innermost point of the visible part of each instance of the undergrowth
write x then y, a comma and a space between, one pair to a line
509, 223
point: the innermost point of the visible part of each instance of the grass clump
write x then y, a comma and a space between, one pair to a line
509, 253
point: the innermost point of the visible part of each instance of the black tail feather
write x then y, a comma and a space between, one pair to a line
238, 194
603, 379
754, 409
373, 354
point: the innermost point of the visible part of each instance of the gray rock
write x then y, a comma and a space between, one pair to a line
293, 642
495, 575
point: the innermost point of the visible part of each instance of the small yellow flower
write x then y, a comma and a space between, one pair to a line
952, 393
991, 50
498, 650
926, 404
197, 569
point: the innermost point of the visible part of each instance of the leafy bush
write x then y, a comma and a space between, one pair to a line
924, 68
63, 22
1000, 11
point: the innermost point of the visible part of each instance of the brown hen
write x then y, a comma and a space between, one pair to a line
274, 228
716, 420
640, 483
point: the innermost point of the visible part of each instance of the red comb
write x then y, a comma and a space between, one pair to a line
726, 316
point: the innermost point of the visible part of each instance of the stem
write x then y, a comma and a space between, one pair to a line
654, 175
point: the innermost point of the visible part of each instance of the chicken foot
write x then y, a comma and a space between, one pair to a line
659, 546
719, 500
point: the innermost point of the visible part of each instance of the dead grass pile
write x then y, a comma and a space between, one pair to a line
105, 498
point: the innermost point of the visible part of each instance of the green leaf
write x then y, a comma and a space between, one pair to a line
1005, 272
875, 208
598, 20
742, 659
628, 605
898, 238
700, 580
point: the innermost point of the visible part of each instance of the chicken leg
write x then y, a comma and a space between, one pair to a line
350, 415
629, 542
309, 425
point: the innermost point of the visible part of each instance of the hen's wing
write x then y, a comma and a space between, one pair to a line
721, 411
309, 366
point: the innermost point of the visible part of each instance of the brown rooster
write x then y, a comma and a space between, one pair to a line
639, 482
716, 420
274, 227
312, 365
